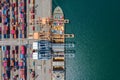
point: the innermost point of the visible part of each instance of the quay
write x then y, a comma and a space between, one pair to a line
26, 27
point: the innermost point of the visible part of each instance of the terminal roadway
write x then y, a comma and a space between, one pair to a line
16, 41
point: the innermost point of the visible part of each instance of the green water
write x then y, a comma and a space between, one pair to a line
96, 25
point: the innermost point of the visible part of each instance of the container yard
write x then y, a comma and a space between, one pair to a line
30, 40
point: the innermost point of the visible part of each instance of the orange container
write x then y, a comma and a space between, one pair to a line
23, 36
15, 36
12, 62
22, 31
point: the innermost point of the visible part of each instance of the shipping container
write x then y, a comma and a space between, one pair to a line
20, 35
33, 74
8, 73
33, 28
3, 48
22, 74
4, 12
58, 63
35, 45
0, 36
21, 64
23, 35
4, 63
22, 47
4, 31
16, 63
23, 52
6, 52
22, 56
15, 36
21, 15
35, 55
12, 31
5, 35
32, 16
29, 1
23, 28
13, 55
12, 62
23, 31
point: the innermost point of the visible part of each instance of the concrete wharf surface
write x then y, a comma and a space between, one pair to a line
42, 68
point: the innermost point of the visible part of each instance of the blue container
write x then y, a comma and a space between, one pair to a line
22, 56
16, 63
12, 58
20, 35
5, 58
20, 31
4, 12
0, 36
4, 36
7, 35
3, 74
7, 19
3, 48
7, 1
8, 74
7, 68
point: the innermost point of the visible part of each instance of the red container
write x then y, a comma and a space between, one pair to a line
20, 63
12, 31
32, 16
12, 63
15, 12
21, 15
13, 55
22, 48
23, 52
22, 27
29, 1
23, 20
22, 31
4, 31
15, 36
33, 28
6, 52
4, 63
22, 73
6, 28
13, 27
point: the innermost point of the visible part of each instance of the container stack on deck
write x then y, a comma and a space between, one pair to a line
58, 45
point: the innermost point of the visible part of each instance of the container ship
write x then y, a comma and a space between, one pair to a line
57, 32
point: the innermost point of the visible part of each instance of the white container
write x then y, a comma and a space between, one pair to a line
35, 45
58, 63
35, 55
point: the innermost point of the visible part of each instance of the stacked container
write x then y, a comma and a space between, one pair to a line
22, 19
6, 19
32, 17
22, 63
6, 62
14, 20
